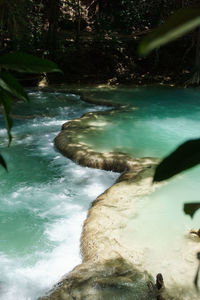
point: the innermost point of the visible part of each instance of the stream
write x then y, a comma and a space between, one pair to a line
44, 198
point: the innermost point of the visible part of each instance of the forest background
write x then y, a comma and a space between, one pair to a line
95, 41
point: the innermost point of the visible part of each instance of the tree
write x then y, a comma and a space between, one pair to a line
52, 8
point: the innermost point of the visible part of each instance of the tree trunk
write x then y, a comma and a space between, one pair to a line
53, 11
197, 58
78, 29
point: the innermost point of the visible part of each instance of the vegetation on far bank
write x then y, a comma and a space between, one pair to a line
97, 41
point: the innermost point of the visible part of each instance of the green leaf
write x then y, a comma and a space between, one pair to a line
177, 25
184, 157
191, 208
23, 62
5, 100
11, 85
3, 163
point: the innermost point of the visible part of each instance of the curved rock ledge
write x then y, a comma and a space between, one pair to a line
69, 143
109, 270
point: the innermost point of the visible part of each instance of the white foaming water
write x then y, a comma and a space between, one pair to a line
44, 199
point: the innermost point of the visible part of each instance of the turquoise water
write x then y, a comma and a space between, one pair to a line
166, 117
44, 198
144, 95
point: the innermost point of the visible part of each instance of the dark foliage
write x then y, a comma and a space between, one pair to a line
191, 208
184, 157
79, 34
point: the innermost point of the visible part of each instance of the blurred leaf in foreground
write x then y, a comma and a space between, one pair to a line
3, 163
26, 63
181, 22
9, 86
184, 157
191, 208
5, 100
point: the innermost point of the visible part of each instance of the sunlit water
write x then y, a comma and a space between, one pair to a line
166, 117
44, 198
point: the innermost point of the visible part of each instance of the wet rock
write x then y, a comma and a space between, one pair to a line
113, 279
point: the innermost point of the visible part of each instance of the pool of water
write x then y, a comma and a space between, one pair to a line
44, 198
166, 117
139, 95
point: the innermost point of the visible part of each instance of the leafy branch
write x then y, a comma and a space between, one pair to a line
180, 23
11, 89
